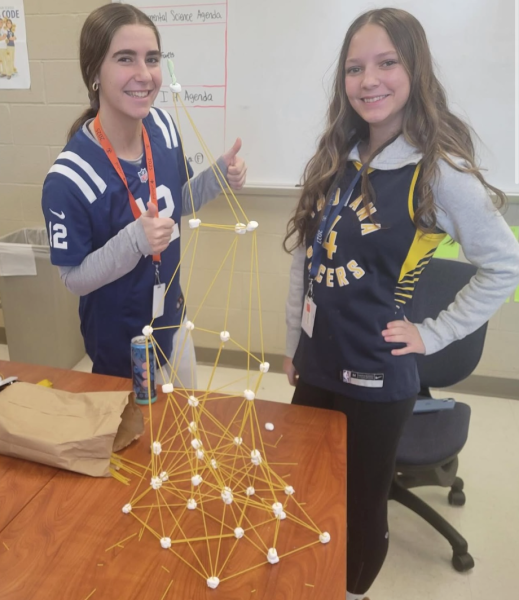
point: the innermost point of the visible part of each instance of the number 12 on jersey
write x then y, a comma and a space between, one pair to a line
57, 236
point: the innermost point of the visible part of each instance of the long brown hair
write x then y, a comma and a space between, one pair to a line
428, 125
96, 36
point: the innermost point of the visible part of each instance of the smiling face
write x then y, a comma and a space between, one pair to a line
130, 76
377, 84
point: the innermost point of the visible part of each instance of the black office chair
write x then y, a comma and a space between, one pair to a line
429, 448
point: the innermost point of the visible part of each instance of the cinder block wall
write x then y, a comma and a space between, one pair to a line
33, 127
34, 123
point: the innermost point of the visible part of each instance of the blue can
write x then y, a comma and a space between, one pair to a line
140, 371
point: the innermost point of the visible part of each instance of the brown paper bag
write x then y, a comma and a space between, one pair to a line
77, 432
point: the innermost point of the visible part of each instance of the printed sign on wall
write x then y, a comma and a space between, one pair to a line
14, 58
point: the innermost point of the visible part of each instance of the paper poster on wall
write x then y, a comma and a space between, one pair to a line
14, 58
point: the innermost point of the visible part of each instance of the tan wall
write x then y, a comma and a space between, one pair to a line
34, 122
32, 132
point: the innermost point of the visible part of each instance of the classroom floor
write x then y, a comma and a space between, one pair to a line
418, 564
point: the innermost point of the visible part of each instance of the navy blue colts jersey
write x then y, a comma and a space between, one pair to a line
367, 273
85, 204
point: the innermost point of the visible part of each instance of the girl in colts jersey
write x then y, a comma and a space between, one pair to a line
114, 197
409, 164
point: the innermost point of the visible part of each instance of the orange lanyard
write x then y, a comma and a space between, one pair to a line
112, 157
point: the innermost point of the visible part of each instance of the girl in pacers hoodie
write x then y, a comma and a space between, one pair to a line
394, 173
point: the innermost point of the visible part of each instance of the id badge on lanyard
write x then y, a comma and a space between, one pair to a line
159, 289
308, 319
309, 306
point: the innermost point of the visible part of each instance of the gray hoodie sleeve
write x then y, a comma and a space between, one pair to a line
122, 253
466, 213
295, 299
204, 188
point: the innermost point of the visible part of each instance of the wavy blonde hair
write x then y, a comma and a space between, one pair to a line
428, 125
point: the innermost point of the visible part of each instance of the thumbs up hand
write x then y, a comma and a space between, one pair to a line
158, 230
236, 167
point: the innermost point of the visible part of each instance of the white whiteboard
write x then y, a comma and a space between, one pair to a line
267, 67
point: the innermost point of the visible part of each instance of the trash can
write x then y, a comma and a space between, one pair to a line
41, 316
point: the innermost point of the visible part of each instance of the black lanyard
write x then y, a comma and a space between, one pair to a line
329, 217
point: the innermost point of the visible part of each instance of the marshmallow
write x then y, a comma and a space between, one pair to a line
281, 516
324, 538
249, 394
289, 490
227, 496
213, 582
196, 443
192, 427
237, 441
277, 508
175, 87
225, 336
156, 483
252, 225
194, 223
250, 491
192, 401
255, 457
240, 228
127, 508
190, 325
165, 542
156, 447
167, 388
191, 504
272, 556
264, 367
269, 426
239, 533
147, 330
196, 479
214, 464
164, 476
200, 454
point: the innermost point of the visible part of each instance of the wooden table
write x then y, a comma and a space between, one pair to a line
56, 526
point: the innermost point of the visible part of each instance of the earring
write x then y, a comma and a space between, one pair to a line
95, 86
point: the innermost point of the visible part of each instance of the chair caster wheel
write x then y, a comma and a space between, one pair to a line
456, 498
458, 484
462, 562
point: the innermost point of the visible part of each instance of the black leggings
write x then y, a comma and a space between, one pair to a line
374, 429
